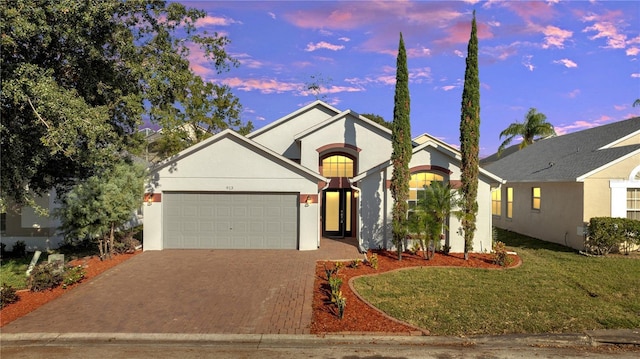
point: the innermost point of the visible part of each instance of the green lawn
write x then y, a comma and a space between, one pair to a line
554, 290
13, 272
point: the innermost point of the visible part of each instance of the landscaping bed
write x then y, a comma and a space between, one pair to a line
360, 317
29, 301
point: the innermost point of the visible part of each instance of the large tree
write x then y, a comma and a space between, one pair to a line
470, 141
96, 207
79, 77
535, 126
402, 149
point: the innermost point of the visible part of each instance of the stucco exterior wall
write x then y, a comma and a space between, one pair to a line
598, 190
228, 165
376, 206
559, 217
375, 145
280, 138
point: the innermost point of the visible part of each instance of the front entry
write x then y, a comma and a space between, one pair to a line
336, 213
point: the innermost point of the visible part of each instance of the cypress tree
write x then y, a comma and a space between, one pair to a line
402, 149
469, 141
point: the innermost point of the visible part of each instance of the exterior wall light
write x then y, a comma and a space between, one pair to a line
308, 201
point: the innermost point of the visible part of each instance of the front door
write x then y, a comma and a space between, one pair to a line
336, 214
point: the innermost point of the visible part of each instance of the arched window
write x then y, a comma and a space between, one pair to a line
417, 184
337, 166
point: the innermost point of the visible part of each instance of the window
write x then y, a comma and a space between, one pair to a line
535, 198
337, 166
633, 203
496, 201
417, 183
3, 222
509, 202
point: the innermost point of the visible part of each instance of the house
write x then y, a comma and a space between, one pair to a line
317, 172
34, 228
555, 186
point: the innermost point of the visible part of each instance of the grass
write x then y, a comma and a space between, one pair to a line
13, 272
555, 290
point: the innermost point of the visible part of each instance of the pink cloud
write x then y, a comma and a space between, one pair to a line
448, 87
608, 31
566, 63
555, 37
265, 86
323, 45
216, 21
633, 51
530, 9
582, 125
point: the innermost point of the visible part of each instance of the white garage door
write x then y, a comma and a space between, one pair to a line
230, 220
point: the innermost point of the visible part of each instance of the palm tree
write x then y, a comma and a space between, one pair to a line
535, 126
636, 102
438, 203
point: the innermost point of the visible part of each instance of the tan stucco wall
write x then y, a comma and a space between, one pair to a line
559, 216
597, 192
633, 140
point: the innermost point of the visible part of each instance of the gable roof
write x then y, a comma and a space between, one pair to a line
340, 116
294, 114
571, 157
436, 144
230, 134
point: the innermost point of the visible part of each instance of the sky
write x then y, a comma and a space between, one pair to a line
577, 62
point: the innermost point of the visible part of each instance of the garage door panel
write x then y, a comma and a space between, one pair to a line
223, 220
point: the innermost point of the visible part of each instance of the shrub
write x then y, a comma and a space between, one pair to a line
373, 261
73, 275
19, 249
606, 234
355, 263
44, 276
126, 244
7, 295
500, 256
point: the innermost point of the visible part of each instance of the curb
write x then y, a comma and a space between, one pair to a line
589, 338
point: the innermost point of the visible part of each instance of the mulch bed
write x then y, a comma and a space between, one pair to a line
360, 317
30, 301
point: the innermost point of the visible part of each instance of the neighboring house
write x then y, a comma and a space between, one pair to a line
27, 225
316, 172
554, 187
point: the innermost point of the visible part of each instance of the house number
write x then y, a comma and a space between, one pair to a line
229, 188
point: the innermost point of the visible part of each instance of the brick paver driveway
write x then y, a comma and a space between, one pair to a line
192, 291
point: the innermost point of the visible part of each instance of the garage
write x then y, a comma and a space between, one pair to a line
208, 220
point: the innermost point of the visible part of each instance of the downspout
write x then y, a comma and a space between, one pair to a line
320, 204
357, 194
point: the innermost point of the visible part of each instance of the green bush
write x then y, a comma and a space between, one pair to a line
44, 276
73, 275
7, 295
606, 235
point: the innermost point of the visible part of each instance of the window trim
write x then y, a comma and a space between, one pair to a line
536, 201
496, 203
343, 154
509, 212
417, 189
629, 200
